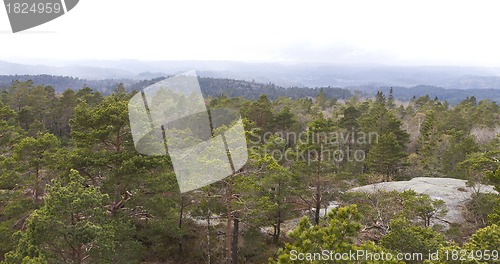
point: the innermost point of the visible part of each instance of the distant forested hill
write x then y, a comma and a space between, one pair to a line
252, 90
452, 96
210, 86
61, 83
215, 87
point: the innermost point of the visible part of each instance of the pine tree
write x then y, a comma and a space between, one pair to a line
427, 143
74, 226
390, 100
34, 156
321, 99
386, 156
320, 156
405, 237
337, 234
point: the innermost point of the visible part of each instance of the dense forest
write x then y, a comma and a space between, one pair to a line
61, 83
210, 86
452, 96
216, 87
73, 189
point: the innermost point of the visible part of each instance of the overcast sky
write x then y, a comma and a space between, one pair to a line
385, 32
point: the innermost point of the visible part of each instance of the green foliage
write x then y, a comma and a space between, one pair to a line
33, 157
321, 99
405, 237
458, 151
73, 225
124, 207
381, 121
9, 130
285, 120
487, 238
261, 113
477, 167
336, 233
481, 248
386, 156
494, 177
267, 198
424, 208
378, 208
428, 142
480, 207
349, 119
319, 152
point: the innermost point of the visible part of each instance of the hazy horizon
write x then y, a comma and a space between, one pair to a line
394, 33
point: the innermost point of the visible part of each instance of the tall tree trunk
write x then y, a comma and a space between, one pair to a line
229, 224
278, 219
117, 202
79, 255
208, 230
318, 205
229, 198
234, 242
318, 191
181, 215
37, 182
278, 227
